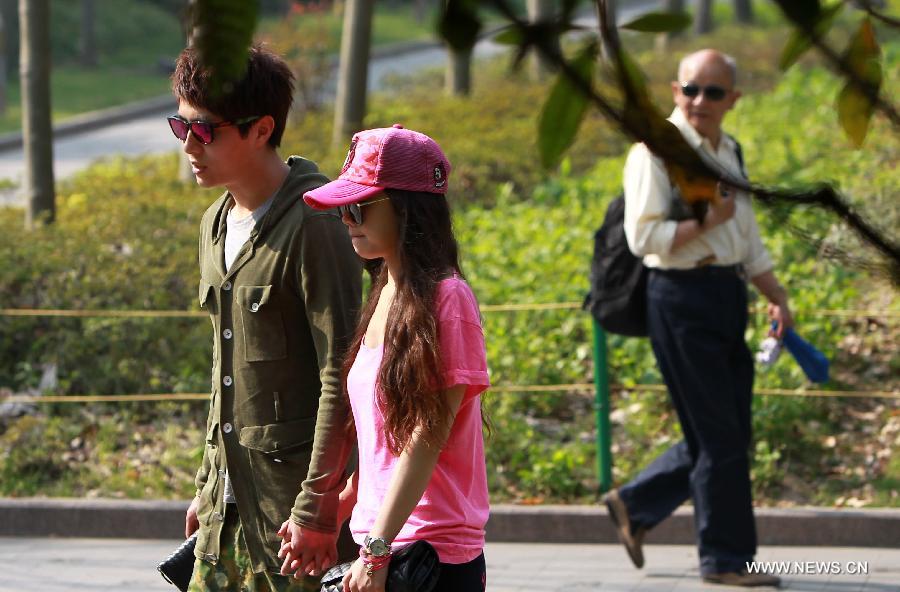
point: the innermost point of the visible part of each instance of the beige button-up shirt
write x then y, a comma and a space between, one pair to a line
648, 200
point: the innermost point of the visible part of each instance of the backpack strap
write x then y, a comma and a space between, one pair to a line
739, 152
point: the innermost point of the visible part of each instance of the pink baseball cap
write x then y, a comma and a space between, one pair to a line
385, 158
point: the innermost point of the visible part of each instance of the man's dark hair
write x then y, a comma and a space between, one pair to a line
267, 88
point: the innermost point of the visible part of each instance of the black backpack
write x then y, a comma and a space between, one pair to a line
618, 296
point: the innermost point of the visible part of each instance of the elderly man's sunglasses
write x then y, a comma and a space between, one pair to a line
202, 130
711, 92
355, 210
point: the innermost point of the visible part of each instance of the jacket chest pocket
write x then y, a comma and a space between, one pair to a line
262, 324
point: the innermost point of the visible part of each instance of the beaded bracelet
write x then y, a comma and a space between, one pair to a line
373, 563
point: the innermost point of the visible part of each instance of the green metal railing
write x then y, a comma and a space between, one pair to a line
602, 407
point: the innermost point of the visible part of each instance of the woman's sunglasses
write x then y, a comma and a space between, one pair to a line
712, 92
355, 210
202, 130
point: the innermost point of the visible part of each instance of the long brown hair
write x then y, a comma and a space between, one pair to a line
409, 384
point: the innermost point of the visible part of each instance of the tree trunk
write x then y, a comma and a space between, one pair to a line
743, 11
458, 75
540, 11
37, 130
703, 20
611, 15
88, 44
662, 40
350, 104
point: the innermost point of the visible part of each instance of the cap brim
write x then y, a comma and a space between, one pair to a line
339, 193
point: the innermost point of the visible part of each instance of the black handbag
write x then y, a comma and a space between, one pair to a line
414, 568
178, 567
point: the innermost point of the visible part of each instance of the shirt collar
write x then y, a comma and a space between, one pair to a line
694, 138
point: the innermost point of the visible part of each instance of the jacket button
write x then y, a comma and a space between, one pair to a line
226, 286
227, 333
227, 381
216, 516
212, 557
221, 472
254, 307
227, 428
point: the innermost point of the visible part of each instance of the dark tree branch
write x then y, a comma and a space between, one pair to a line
823, 196
866, 5
846, 70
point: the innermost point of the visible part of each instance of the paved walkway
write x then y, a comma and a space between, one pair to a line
97, 565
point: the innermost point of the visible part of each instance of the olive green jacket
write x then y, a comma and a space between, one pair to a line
282, 316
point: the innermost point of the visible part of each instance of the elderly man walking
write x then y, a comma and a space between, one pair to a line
697, 314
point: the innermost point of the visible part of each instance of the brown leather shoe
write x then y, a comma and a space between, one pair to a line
619, 515
743, 578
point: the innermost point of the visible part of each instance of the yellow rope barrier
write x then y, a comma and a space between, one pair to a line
502, 388
104, 398
537, 306
48, 312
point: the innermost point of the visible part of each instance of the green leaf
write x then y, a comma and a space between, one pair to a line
854, 106
564, 110
863, 54
459, 24
659, 22
509, 36
799, 42
854, 113
223, 32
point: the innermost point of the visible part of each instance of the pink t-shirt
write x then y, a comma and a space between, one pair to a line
454, 508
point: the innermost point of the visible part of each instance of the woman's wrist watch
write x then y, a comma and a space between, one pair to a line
376, 546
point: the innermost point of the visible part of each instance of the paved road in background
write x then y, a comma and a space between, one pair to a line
100, 565
150, 134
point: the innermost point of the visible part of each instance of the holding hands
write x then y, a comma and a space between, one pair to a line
306, 551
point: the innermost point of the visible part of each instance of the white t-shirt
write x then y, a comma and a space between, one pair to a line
238, 230
648, 198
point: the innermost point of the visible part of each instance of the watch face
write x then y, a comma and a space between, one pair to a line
378, 547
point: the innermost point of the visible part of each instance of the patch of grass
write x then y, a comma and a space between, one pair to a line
390, 24
136, 42
73, 91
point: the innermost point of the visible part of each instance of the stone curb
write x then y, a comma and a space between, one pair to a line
100, 118
38, 517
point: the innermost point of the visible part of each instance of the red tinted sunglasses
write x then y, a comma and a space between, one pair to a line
202, 130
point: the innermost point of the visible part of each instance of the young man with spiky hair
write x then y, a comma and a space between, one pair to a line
282, 285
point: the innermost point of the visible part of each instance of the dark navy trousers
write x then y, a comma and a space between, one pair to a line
696, 320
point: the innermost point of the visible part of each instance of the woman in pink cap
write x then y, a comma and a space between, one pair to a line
416, 368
